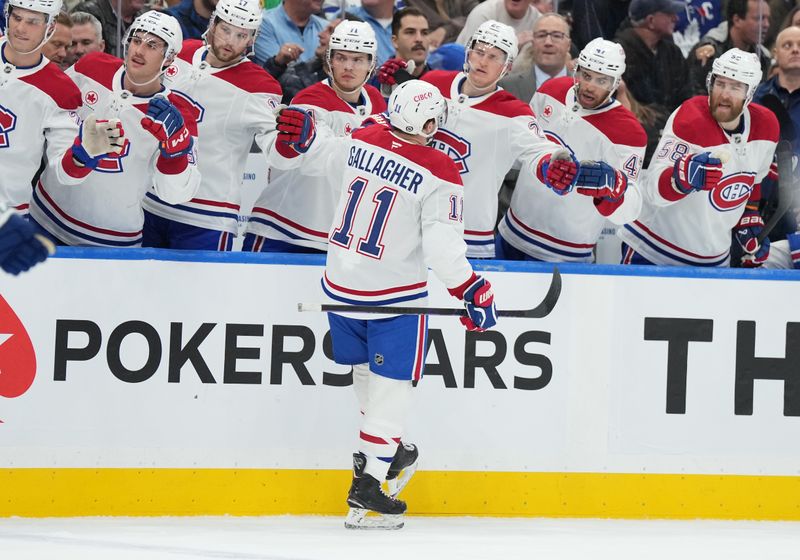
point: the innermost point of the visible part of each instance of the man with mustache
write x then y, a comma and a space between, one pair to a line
238, 99
410, 37
704, 181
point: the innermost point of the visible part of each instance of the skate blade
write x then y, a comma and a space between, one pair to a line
395, 485
357, 518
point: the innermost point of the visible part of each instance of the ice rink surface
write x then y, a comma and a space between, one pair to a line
324, 538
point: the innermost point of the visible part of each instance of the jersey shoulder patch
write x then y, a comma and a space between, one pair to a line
100, 67
188, 49
504, 104
250, 77
557, 88
56, 85
763, 124
694, 124
620, 126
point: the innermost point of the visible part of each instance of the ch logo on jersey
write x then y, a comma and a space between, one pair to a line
171, 71
457, 148
114, 164
556, 139
732, 191
8, 122
91, 97
197, 110
17, 357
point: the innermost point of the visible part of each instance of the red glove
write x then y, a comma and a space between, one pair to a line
558, 171
296, 131
388, 69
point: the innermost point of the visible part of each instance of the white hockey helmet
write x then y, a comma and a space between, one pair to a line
48, 7
497, 35
738, 65
355, 36
161, 25
239, 13
604, 57
414, 103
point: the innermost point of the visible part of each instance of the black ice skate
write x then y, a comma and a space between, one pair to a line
366, 496
403, 467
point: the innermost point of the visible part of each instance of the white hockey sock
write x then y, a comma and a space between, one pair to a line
382, 424
361, 375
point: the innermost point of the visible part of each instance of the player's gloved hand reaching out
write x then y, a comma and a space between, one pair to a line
599, 180
479, 302
296, 131
558, 171
20, 246
98, 139
164, 121
746, 232
697, 172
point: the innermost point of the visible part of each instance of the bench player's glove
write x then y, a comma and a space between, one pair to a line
20, 246
164, 121
599, 180
479, 303
98, 139
296, 131
697, 172
746, 232
387, 71
558, 171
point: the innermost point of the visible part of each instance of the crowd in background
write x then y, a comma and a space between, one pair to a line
669, 45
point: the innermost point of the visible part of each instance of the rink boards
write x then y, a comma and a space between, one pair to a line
188, 383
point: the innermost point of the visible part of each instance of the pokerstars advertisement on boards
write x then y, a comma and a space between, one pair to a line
142, 362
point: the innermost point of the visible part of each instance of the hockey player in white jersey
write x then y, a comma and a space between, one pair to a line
582, 115
159, 153
38, 105
488, 131
236, 100
399, 214
294, 212
704, 179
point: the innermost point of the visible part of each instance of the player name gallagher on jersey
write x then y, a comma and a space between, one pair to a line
385, 168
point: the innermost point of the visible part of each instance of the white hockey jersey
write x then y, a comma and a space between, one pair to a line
485, 136
554, 228
295, 207
38, 112
233, 105
106, 209
399, 214
695, 229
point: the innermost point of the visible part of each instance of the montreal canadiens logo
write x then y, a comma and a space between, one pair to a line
172, 71
91, 97
556, 139
8, 122
732, 191
457, 148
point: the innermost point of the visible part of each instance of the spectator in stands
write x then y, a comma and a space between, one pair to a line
778, 11
792, 19
748, 23
449, 56
57, 48
289, 32
446, 18
544, 6
519, 14
699, 18
87, 36
105, 12
656, 72
300, 75
596, 18
410, 39
378, 14
193, 16
546, 58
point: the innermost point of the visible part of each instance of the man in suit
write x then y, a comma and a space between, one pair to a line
546, 57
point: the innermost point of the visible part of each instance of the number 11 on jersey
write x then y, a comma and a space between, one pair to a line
370, 244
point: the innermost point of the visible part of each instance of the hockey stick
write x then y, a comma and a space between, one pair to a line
786, 192
542, 310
